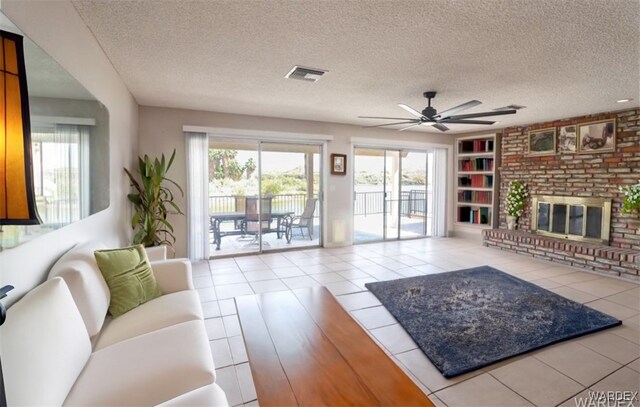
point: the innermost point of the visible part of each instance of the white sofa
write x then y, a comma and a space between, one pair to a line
59, 347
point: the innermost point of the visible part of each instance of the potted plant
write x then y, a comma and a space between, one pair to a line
153, 202
631, 201
516, 202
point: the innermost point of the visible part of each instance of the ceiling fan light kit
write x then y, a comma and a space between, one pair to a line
430, 116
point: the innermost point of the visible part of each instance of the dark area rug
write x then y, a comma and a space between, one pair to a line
464, 320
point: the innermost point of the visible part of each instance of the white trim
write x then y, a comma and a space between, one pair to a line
324, 189
53, 120
262, 135
396, 144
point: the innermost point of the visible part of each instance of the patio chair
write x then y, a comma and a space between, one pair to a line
257, 222
306, 219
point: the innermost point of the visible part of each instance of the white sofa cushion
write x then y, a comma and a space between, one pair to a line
146, 370
211, 395
173, 275
156, 253
161, 312
80, 271
44, 346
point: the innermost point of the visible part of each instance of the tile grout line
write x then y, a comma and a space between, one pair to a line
513, 390
319, 259
589, 387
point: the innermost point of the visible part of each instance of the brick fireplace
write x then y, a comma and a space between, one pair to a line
596, 175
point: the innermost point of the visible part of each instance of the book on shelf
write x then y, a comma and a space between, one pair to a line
465, 181
476, 216
475, 146
476, 181
476, 164
464, 214
481, 216
478, 197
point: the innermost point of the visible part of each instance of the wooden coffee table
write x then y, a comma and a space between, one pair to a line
305, 350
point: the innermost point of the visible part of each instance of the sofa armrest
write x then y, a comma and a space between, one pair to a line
156, 253
173, 275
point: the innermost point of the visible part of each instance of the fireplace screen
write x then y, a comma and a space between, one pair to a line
572, 218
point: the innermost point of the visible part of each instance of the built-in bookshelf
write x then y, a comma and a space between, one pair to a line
475, 177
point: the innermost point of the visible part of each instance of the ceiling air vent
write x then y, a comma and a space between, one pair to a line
305, 74
510, 107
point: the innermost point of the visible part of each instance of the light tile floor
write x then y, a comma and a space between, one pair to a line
551, 376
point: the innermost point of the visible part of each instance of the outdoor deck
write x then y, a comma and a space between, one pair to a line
367, 221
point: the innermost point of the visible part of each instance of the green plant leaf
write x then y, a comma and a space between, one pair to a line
138, 237
135, 219
177, 186
167, 224
135, 198
175, 207
142, 167
173, 156
153, 201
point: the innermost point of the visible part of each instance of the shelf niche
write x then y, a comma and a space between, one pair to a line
476, 162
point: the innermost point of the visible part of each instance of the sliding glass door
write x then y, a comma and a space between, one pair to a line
391, 194
368, 194
414, 195
263, 196
290, 178
233, 178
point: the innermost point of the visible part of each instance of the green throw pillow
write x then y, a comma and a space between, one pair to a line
129, 276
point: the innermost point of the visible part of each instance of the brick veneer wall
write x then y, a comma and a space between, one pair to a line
597, 175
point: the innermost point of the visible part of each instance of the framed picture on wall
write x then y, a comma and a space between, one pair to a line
542, 142
568, 139
338, 164
597, 137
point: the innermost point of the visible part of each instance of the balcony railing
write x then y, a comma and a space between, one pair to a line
281, 203
413, 203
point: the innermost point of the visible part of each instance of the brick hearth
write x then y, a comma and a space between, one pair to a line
603, 259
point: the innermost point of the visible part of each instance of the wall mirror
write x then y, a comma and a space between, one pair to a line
70, 146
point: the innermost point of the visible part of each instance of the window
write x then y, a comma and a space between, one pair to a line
61, 181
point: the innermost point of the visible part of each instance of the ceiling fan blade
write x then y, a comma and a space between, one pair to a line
412, 111
483, 114
440, 127
386, 118
454, 110
392, 124
468, 121
408, 127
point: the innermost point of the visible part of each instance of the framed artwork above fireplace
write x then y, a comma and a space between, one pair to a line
597, 137
542, 142
567, 139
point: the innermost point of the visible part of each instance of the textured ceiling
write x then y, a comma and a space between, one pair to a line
560, 58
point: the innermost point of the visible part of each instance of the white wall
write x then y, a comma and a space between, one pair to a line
161, 132
58, 29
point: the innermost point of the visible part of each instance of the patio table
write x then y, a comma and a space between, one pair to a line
283, 225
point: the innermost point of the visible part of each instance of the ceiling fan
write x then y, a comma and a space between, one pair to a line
430, 116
